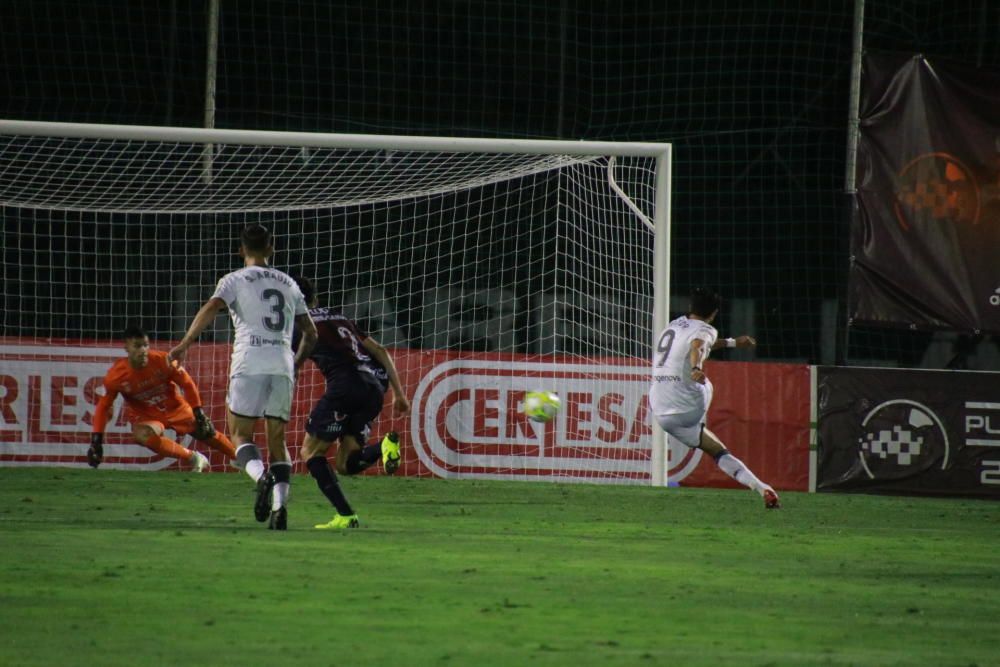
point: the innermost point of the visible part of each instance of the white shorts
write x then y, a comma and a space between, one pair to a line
260, 396
685, 427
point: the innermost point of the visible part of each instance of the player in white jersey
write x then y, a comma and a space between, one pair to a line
265, 305
681, 393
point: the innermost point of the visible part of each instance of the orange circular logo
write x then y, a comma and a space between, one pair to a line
936, 188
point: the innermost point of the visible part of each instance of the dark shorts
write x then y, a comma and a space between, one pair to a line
346, 409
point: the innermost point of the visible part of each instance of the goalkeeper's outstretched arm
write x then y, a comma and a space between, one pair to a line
95, 453
184, 380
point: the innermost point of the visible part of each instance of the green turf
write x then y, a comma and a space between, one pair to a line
124, 568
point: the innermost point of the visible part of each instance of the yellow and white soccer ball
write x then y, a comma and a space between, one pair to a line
541, 406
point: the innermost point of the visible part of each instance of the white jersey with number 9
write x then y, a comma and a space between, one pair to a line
263, 303
672, 390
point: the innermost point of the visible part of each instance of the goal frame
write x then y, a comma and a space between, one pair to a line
661, 152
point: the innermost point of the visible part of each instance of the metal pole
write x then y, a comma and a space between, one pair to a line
981, 39
211, 69
171, 62
560, 111
850, 169
661, 298
854, 104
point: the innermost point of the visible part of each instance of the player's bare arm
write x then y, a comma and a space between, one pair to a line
739, 341
201, 321
695, 356
305, 324
400, 404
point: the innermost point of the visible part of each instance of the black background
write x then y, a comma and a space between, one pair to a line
752, 94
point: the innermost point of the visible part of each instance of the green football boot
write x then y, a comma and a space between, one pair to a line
339, 522
390, 452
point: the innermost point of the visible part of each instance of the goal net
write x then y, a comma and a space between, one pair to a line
488, 268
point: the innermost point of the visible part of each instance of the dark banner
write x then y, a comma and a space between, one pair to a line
904, 431
925, 230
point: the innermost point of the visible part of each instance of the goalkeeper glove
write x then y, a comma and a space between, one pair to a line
96, 452
203, 426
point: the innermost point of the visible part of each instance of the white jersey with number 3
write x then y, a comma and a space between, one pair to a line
673, 391
263, 303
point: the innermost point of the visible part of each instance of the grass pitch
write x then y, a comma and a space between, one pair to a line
125, 568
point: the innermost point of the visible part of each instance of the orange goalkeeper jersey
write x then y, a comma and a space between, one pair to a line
154, 389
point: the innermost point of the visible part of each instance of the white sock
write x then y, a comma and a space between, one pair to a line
255, 469
280, 497
735, 468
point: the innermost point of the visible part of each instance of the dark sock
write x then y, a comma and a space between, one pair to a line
356, 460
371, 453
326, 479
282, 472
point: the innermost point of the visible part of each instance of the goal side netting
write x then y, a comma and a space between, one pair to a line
487, 268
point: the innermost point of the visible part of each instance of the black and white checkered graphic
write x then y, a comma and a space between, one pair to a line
899, 438
898, 442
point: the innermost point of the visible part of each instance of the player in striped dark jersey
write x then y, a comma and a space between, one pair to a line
358, 371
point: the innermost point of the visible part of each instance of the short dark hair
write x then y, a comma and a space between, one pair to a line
705, 301
134, 331
308, 291
256, 238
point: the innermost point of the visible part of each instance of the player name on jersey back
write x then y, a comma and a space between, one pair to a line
263, 303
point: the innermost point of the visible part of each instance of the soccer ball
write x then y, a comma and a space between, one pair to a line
541, 406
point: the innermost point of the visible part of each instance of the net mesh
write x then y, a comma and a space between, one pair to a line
478, 271
156, 177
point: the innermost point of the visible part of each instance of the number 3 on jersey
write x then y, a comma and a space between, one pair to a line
277, 302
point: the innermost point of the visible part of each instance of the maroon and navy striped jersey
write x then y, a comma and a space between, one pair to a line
339, 353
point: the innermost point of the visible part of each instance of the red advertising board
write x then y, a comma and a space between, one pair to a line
464, 421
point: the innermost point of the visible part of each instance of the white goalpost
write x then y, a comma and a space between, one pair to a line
489, 267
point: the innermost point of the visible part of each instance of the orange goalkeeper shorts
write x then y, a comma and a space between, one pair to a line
180, 419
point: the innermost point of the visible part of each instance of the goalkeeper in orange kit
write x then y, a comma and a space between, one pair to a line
152, 386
